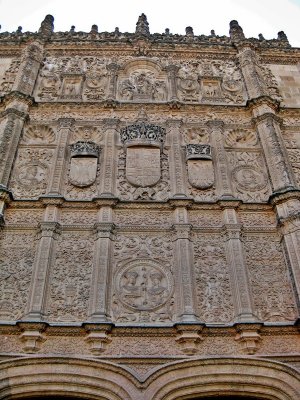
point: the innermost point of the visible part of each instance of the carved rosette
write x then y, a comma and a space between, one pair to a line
84, 161
143, 292
200, 165
143, 144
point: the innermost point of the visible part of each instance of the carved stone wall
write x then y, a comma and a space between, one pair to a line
149, 214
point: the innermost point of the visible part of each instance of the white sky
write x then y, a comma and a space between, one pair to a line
255, 16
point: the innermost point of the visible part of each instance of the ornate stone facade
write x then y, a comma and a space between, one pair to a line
150, 215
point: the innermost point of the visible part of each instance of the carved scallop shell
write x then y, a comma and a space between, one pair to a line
241, 138
39, 134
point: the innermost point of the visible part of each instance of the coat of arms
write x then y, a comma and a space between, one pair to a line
143, 166
143, 144
200, 166
84, 161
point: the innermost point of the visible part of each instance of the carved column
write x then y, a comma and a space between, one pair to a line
268, 128
178, 177
185, 288
243, 302
56, 182
45, 253
248, 63
101, 277
223, 186
263, 111
109, 163
113, 69
30, 64
288, 212
14, 117
172, 74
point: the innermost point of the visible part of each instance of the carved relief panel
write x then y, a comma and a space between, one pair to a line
208, 81
143, 282
73, 78
247, 166
31, 172
8, 71
142, 80
270, 281
214, 296
70, 278
292, 142
143, 164
16, 260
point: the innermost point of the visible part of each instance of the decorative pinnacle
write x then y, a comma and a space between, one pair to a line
47, 26
189, 31
142, 26
236, 32
282, 36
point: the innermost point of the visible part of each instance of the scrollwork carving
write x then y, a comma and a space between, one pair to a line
70, 277
213, 286
16, 260
271, 286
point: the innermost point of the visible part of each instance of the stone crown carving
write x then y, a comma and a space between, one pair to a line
82, 148
143, 134
198, 151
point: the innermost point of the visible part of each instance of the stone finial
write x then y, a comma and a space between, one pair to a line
94, 29
142, 26
189, 31
72, 29
236, 32
282, 36
47, 26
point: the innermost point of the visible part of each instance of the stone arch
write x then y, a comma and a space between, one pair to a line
63, 376
204, 378
143, 63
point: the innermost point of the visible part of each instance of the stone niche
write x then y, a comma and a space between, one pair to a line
142, 81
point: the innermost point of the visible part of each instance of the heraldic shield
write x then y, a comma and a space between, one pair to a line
143, 166
200, 166
84, 161
83, 171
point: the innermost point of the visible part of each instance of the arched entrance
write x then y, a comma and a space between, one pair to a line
65, 378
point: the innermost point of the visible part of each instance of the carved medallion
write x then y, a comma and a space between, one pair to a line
200, 165
143, 166
32, 174
248, 178
143, 285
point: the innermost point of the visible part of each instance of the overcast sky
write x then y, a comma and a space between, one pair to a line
255, 16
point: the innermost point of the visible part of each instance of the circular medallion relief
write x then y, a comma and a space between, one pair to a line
143, 285
32, 174
249, 179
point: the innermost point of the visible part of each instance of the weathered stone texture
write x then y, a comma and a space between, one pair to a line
149, 214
